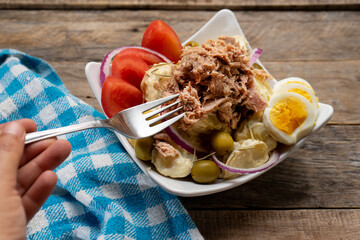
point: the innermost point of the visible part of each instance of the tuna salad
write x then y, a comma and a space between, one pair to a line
219, 91
233, 120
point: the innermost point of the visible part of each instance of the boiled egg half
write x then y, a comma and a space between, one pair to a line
292, 111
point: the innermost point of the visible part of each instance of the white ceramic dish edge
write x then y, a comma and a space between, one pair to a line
223, 22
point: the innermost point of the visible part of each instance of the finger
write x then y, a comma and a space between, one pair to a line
38, 193
12, 138
49, 159
34, 149
28, 124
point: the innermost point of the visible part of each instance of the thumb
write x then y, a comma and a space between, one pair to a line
12, 138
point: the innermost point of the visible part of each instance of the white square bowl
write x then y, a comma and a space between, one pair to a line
223, 22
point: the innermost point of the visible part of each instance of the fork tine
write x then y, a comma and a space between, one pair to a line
159, 127
153, 113
132, 122
149, 105
161, 117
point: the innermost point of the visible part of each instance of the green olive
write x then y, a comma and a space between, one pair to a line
143, 148
191, 44
222, 142
205, 171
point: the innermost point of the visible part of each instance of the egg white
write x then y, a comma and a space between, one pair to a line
304, 129
289, 80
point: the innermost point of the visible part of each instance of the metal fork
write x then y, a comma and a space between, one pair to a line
136, 122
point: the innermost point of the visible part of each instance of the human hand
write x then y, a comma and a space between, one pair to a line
26, 176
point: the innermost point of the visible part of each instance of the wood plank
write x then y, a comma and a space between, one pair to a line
88, 35
274, 224
185, 4
323, 173
322, 47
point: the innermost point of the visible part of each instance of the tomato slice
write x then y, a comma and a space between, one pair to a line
117, 95
129, 68
162, 38
148, 57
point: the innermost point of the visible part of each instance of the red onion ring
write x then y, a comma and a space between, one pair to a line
179, 140
273, 159
255, 55
105, 68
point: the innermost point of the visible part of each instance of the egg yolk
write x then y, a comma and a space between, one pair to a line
302, 93
288, 114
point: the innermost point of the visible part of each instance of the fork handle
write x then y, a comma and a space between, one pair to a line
37, 136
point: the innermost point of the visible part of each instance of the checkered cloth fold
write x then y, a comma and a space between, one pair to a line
101, 193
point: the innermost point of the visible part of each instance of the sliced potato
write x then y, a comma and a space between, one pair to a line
258, 132
173, 165
247, 154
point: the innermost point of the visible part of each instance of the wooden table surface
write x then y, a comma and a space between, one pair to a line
315, 193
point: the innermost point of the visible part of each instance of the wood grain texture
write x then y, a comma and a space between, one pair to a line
88, 35
315, 193
326, 224
184, 4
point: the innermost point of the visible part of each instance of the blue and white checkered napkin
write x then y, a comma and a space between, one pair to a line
101, 193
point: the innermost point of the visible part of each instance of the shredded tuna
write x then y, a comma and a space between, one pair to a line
166, 150
216, 78
192, 105
162, 137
